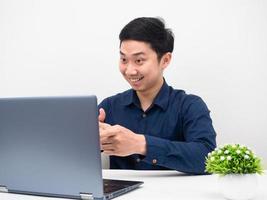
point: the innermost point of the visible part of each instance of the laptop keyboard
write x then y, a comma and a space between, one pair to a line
115, 185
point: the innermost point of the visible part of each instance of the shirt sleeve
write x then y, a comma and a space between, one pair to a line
188, 155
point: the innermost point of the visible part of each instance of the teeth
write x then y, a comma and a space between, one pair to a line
135, 79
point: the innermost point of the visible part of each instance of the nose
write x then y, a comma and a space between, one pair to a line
130, 69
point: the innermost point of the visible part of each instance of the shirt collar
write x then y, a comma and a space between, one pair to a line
131, 98
161, 99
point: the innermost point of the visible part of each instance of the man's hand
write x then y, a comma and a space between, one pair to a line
120, 141
102, 115
101, 119
102, 125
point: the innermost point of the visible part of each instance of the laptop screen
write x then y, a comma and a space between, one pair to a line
49, 144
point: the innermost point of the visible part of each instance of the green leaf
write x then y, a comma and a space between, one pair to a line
233, 159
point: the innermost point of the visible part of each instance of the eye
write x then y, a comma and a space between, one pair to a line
139, 61
123, 60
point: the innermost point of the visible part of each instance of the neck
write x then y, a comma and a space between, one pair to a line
146, 97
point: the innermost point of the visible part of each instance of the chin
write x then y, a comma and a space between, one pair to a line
138, 89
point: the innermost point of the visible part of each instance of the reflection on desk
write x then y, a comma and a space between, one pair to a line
162, 185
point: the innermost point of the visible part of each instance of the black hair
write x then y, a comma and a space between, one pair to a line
151, 30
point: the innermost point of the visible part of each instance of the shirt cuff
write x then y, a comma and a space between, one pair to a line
155, 151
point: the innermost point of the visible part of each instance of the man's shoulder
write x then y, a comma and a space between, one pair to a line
184, 100
118, 98
183, 96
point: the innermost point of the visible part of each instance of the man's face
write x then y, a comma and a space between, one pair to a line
140, 66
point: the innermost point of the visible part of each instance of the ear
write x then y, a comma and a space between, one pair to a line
165, 60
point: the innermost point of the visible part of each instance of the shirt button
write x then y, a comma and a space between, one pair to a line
144, 115
154, 161
138, 160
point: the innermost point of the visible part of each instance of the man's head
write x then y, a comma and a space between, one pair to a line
150, 30
145, 51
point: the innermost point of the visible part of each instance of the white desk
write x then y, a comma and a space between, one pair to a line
162, 185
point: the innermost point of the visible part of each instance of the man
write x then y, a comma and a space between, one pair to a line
153, 126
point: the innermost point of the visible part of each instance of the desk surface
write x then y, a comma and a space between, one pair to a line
162, 185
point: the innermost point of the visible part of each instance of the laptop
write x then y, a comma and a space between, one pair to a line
49, 146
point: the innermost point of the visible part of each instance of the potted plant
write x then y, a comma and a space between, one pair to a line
237, 167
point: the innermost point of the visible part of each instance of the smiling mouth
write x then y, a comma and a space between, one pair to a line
134, 80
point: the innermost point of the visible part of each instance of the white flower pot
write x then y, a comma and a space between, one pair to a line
238, 186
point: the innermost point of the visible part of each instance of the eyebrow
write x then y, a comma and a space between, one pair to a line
135, 54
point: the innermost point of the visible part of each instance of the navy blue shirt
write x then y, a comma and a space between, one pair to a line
177, 128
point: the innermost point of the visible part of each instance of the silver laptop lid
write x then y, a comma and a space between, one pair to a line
50, 146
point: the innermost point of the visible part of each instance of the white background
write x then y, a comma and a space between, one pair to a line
71, 47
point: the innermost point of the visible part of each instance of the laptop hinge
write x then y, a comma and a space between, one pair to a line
86, 196
3, 188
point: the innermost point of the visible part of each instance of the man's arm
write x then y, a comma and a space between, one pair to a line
119, 141
182, 156
199, 139
186, 157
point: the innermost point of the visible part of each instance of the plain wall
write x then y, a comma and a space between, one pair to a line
71, 47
